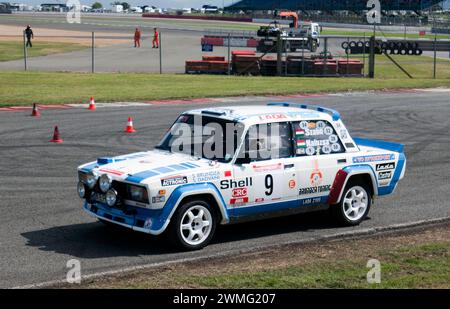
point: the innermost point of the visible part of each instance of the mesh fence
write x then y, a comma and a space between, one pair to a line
228, 53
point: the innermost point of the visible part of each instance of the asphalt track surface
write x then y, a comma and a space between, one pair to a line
43, 225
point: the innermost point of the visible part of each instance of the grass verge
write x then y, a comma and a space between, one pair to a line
409, 259
14, 50
24, 88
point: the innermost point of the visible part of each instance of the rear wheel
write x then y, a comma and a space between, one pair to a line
193, 225
354, 205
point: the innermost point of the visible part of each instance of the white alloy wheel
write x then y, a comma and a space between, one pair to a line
355, 203
196, 224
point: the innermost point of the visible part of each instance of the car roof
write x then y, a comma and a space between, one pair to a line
273, 112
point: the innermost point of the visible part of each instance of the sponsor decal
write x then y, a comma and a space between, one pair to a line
173, 181
314, 190
239, 192
314, 132
292, 184
328, 130
300, 132
301, 151
259, 200
320, 125
344, 134
227, 173
231, 184
373, 158
301, 143
158, 199
310, 151
273, 117
304, 125
206, 176
238, 201
336, 147
311, 125
326, 149
311, 201
316, 178
333, 138
266, 168
385, 175
385, 166
317, 142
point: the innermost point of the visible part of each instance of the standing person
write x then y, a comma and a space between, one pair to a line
155, 43
29, 34
137, 38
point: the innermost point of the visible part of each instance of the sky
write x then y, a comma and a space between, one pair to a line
157, 3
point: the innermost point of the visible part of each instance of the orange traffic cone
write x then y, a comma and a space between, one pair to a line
92, 104
130, 128
35, 112
56, 136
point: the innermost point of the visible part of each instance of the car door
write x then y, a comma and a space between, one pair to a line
320, 155
265, 172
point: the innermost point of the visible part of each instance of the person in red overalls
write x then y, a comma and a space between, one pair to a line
137, 38
155, 42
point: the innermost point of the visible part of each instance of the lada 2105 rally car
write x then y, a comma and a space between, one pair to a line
230, 164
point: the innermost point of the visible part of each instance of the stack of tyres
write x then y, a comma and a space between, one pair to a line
388, 47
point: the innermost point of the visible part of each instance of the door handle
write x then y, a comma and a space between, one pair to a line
288, 166
341, 161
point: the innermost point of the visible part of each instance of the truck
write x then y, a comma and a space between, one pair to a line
305, 35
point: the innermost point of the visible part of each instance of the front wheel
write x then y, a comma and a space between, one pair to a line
354, 205
193, 225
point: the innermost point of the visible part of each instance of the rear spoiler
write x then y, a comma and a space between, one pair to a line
379, 144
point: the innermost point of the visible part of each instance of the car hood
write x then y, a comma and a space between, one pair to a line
141, 167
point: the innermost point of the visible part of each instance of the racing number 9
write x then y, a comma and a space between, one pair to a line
269, 184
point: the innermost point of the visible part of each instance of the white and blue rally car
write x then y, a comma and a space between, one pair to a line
233, 164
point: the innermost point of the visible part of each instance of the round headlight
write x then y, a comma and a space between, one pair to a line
105, 183
81, 189
90, 181
111, 197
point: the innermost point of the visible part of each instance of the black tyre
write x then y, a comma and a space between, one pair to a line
354, 205
193, 225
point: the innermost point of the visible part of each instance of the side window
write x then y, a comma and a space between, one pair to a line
316, 137
269, 141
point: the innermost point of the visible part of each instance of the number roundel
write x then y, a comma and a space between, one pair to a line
269, 184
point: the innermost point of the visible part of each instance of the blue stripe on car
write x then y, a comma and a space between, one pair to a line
88, 168
178, 167
137, 178
163, 169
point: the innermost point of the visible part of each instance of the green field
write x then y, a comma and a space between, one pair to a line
14, 50
408, 259
417, 66
24, 88
406, 267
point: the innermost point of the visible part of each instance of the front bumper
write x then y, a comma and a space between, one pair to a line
135, 218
